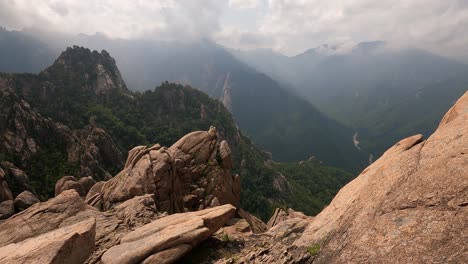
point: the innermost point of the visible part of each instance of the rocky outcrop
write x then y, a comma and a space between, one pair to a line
192, 174
71, 244
408, 206
5, 192
15, 178
7, 209
81, 186
24, 133
167, 239
256, 225
280, 215
25, 200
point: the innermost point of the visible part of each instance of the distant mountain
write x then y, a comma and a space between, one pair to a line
21, 52
384, 94
274, 118
100, 118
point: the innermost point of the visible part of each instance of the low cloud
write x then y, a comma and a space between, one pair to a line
288, 26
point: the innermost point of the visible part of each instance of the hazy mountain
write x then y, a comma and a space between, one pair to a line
85, 92
383, 93
273, 117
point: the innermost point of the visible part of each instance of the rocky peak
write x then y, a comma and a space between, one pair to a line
93, 70
193, 174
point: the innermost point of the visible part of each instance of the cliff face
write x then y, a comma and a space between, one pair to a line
409, 206
28, 139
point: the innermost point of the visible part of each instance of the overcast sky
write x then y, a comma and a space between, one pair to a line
287, 26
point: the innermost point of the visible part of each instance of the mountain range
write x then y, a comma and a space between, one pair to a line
275, 119
383, 93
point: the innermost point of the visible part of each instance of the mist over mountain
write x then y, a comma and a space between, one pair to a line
383, 93
274, 118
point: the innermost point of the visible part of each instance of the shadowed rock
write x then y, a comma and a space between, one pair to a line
25, 200
168, 238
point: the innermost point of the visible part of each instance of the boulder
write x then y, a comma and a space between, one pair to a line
87, 183
71, 244
68, 183
186, 177
255, 224
41, 218
280, 215
169, 238
7, 209
24, 200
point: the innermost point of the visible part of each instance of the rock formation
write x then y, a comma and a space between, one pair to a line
25, 200
71, 244
24, 133
192, 174
167, 239
409, 206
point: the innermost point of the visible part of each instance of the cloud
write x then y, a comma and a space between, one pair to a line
243, 4
298, 24
288, 26
173, 19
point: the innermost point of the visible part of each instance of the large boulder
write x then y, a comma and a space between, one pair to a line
25, 200
7, 209
167, 239
69, 183
410, 206
41, 218
71, 244
192, 174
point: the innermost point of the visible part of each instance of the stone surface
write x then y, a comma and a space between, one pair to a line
25, 200
255, 224
186, 177
7, 209
139, 210
5, 192
169, 237
68, 183
87, 183
408, 206
280, 215
41, 218
70, 244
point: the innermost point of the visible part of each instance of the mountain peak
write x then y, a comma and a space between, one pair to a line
92, 69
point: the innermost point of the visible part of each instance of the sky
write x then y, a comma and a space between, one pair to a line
286, 26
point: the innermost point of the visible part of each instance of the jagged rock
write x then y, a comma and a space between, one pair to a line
71, 244
280, 215
139, 210
408, 206
25, 200
87, 183
185, 177
7, 209
96, 153
63, 184
94, 197
16, 177
5, 192
255, 224
170, 237
24, 132
41, 218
